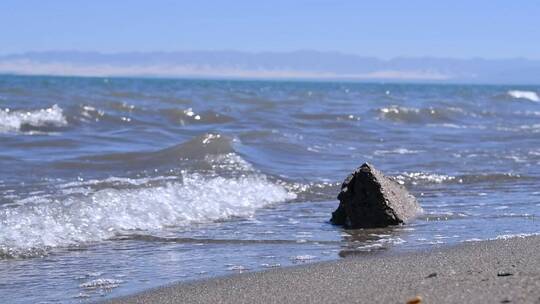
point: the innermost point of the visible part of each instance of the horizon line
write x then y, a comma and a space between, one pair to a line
264, 79
263, 52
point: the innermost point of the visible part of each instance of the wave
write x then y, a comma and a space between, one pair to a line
327, 117
528, 95
40, 224
419, 115
313, 191
189, 116
122, 112
197, 147
204, 152
42, 120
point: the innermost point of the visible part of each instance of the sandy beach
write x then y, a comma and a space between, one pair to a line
499, 271
269, 152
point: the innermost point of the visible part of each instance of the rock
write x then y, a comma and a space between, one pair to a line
368, 199
431, 275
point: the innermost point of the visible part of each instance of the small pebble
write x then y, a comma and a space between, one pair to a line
415, 300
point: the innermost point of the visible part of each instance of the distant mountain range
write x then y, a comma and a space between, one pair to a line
271, 65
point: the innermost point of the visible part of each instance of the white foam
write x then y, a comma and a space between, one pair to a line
84, 186
529, 95
518, 235
380, 243
101, 284
44, 223
302, 258
13, 121
505, 237
239, 268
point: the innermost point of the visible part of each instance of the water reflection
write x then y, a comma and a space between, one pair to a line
368, 241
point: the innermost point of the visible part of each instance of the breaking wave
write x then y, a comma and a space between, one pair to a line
528, 95
211, 151
37, 120
40, 224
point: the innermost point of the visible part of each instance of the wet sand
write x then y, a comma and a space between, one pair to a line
500, 271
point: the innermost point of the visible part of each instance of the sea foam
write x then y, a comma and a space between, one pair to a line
528, 95
13, 121
34, 228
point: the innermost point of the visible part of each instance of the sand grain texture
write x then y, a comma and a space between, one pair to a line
501, 271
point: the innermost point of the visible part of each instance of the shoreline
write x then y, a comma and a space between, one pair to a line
493, 271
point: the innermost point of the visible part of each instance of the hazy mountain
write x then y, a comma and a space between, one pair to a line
298, 64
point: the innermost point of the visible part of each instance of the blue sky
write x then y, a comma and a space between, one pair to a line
385, 29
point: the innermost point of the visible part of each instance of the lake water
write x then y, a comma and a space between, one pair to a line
112, 186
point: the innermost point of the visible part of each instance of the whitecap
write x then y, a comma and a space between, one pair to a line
14, 121
528, 95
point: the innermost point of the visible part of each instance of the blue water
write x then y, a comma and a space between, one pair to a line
110, 186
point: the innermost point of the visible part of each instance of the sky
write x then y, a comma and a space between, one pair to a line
384, 29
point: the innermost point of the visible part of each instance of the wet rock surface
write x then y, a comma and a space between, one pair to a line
368, 199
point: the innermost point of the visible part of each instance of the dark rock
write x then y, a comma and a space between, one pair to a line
504, 274
431, 275
368, 199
